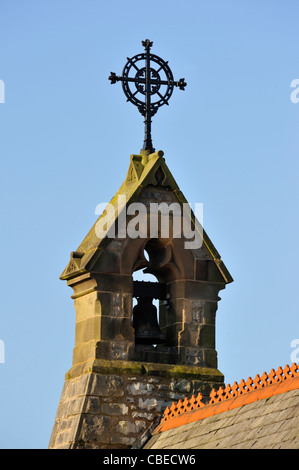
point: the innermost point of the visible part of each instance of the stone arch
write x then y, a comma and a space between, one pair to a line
168, 260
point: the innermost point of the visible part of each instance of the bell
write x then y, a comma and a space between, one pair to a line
145, 322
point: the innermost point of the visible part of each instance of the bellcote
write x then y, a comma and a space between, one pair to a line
120, 243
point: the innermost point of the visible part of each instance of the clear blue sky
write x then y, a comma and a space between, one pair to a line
231, 141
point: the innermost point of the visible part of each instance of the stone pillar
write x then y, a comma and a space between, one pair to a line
103, 304
191, 321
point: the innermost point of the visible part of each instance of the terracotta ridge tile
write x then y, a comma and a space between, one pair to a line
223, 399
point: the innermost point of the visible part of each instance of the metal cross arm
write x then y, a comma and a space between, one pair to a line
148, 88
116, 78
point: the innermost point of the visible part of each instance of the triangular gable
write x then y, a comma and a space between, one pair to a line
144, 170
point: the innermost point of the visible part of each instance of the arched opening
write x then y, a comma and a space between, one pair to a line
148, 292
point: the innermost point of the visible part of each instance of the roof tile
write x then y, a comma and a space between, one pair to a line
265, 417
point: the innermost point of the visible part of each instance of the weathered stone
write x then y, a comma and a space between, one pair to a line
74, 406
123, 440
181, 386
174, 396
128, 427
92, 405
95, 428
198, 336
152, 380
198, 311
76, 387
64, 432
138, 415
151, 404
139, 388
118, 409
106, 385
62, 438
119, 349
88, 329
210, 357
210, 309
115, 327
194, 356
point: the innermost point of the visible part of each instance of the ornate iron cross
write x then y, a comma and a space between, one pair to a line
153, 87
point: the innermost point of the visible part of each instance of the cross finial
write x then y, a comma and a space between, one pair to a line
147, 44
153, 86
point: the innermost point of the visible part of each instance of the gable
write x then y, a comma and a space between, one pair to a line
145, 171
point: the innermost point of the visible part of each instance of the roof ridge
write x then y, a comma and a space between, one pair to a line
222, 394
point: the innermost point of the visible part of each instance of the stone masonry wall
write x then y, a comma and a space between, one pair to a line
111, 411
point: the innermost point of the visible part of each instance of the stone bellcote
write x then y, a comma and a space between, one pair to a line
121, 379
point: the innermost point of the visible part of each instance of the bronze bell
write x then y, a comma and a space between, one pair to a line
145, 322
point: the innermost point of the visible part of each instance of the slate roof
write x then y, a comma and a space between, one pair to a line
257, 414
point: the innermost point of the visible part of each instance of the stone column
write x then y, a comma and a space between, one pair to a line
103, 304
189, 321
